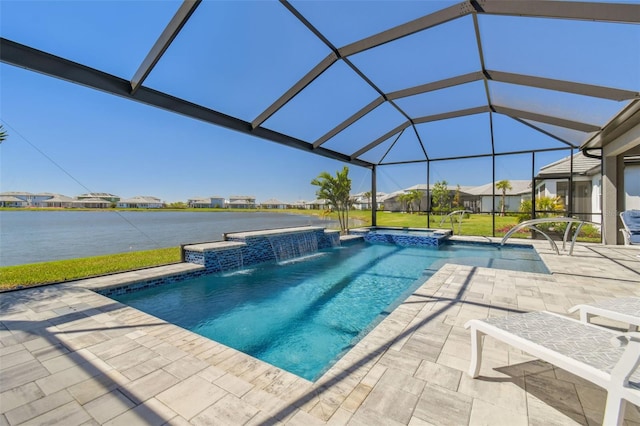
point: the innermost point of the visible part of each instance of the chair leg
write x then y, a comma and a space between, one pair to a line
476, 353
585, 316
614, 410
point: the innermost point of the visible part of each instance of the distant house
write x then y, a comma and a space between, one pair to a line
206, 202
361, 201
317, 205
141, 202
29, 199
101, 195
91, 203
393, 202
473, 198
242, 202
553, 180
484, 194
59, 201
12, 201
273, 204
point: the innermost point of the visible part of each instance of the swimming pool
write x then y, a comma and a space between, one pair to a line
303, 315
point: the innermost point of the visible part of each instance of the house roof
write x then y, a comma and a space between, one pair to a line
142, 199
205, 200
273, 201
10, 199
97, 195
59, 198
393, 195
582, 165
518, 187
15, 193
242, 201
30, 194
92, 200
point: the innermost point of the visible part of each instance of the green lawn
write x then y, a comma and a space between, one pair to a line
476, 224
65, 270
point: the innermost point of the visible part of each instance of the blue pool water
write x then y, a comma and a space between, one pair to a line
302, 315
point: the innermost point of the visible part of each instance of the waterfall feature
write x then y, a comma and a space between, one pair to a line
242, 249
289, 246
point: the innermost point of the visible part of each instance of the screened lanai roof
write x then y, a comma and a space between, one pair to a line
366, 82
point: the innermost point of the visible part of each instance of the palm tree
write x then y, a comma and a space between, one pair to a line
414, 196
336, 191
3, 134
404, 200
503, 185
367, 196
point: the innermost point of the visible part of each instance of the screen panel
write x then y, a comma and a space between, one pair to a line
422, 57
93, 33
335, 19
407, 148
366, 130
329, 100
454, 98
510, 135
237, 57
568, 106
599, 53
455, 137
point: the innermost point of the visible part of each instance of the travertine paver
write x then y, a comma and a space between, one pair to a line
70, 356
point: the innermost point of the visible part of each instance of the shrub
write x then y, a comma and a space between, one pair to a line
508, 228
546, 204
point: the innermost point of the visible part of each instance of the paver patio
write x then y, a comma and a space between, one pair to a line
71, 356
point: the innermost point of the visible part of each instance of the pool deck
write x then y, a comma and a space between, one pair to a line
71, 356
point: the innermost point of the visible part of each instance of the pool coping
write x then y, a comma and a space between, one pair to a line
278, 231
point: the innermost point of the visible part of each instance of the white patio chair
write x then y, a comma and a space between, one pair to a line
631, 222
623, 309
586, 350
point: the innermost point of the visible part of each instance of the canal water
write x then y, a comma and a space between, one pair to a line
40, 236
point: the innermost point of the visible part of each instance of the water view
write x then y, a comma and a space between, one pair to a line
40, 236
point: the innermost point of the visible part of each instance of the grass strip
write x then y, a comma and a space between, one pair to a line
12, 277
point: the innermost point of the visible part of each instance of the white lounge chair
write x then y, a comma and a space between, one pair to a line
583, 349
623, 309
631, 222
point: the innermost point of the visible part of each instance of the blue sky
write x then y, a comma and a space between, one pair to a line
68, 139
